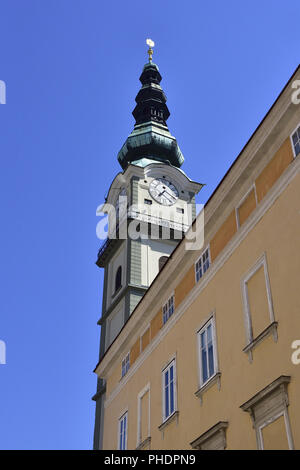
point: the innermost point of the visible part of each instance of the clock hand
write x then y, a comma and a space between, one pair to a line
167, 194
170, 194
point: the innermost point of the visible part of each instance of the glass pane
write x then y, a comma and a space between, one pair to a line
209, 337
171, 397
211, 360
295, 138
125, 432
204, 365
121, 433
203, 339
297, 149
167, 402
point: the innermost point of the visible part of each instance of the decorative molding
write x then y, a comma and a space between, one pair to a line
270, 330
99, 393
127, 288
216, 433
283, 380
144, 444
268, 405
174, 416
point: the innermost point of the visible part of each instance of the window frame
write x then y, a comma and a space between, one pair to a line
210, 321
261, 262
291, 139
124, 360
119, 272
141, 394
201, 258
259, 429
165, 369
166, 304
276, 394
121, 418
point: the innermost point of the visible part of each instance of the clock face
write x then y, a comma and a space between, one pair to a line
163, 191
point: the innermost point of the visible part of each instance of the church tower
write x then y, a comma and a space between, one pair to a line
154, 204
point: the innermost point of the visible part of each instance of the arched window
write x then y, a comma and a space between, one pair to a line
162, 261
118, 280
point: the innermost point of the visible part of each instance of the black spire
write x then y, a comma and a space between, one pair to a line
150, 138
151, 100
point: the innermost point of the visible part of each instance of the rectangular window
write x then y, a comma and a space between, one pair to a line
296, 141
207, 352
168, 309
169, 390
143, 422
202, 264
258, 305
123, 431
125, 365
180, 210
148, 201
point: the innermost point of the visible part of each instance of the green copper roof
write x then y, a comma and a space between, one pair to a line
143, 162
151, 137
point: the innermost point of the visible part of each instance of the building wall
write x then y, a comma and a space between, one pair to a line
252, 227
151, 251
276, 235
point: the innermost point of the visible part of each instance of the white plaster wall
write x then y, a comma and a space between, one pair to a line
114, 323
152, 250
119, 259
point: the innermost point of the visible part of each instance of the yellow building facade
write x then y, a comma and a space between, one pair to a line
211, 348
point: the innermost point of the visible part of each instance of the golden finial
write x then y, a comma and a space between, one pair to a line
151, 44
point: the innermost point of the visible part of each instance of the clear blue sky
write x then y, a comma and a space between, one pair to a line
71, 68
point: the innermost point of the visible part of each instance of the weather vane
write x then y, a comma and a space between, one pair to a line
151, 44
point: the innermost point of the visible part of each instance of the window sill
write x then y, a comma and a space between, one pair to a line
144, 443
215, 379
122, 377
169, 420
271, 329
116, 292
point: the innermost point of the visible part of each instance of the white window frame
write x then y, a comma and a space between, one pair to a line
167, 368
126, 361
262, 261
292, 143
211, 321
253, 187
142, 393
166, 305
121, 418
268, 405
270, 421
207, 249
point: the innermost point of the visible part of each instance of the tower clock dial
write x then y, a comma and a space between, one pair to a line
163, 191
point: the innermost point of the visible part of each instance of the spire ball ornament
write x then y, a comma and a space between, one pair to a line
151, 44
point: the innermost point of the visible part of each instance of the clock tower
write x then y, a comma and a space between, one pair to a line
152, 205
